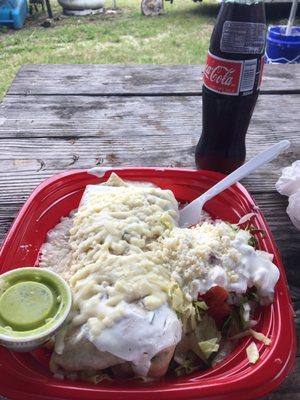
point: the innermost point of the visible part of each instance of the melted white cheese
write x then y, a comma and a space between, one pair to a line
112, 257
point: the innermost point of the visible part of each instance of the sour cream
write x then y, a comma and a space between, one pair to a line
139, 335
216, 254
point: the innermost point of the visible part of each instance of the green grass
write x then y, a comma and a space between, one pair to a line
178, 37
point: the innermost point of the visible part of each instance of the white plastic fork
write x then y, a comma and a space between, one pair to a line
190, 214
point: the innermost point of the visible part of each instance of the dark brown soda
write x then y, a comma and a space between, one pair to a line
226, 118
222, 144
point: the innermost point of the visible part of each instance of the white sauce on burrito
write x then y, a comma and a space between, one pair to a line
139, 335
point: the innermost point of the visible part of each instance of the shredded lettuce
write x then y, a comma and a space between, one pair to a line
227, 325
97, 378
250, 332
252, 229
183, 307
207, 329
252, 353
187, 365
225, 349
253, 242
207, 347
252, 295
245, 315
246, 218
177, 298
200, 305
200, 309
260, 337
207, 338
203, 341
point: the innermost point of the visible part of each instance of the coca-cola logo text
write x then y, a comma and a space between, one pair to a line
220, 74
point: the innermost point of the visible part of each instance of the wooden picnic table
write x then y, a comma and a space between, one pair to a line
60, 117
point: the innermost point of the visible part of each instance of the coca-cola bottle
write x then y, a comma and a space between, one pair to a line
231, 81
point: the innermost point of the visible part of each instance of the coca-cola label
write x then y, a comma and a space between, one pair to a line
222, 76
232, 77
249, 75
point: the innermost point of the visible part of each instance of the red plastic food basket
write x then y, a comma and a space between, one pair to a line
26, 375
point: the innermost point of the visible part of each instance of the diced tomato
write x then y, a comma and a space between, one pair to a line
216, 293
219, 312
218, 308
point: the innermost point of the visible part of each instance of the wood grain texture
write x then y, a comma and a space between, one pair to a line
24, 160
290, 388
120, 117
134, 79
54, 133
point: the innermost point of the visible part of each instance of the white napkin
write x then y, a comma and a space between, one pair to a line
289, 185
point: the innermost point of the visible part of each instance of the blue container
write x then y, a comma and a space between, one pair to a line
13, 13
282, 48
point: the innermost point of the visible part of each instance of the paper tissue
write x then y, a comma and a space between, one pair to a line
289, 185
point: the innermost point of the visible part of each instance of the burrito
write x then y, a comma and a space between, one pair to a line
121, 313
149, 296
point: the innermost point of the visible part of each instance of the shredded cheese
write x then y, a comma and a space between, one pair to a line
252, 353
257, 335
112, 239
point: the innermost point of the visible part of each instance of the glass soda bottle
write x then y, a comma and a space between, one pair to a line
231, 82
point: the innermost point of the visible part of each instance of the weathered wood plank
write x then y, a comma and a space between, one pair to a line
81, 132
25, 162
81, 116
290, 388
134, 79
